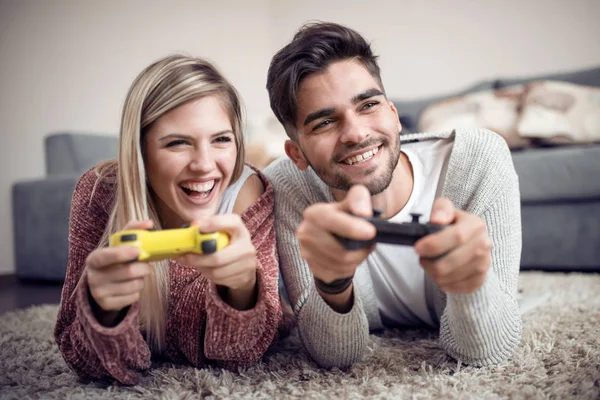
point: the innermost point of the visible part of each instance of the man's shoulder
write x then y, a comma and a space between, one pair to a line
303, 186
482, 150
280, 166
480, 164
283, 170
471, 147
481, 140
465, 139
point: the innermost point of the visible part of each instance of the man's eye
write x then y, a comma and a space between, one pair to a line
322, 124
369, 105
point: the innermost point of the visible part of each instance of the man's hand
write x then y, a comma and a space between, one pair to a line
327, 258
457, 258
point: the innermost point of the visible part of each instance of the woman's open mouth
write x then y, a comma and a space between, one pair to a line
198, 190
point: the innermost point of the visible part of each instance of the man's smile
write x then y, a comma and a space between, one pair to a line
360, 158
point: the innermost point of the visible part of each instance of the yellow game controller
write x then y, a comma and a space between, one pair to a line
155, 245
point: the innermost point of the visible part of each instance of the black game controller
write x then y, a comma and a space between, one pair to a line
405, 233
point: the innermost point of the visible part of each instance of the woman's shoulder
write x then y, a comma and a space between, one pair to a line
251, 190
97, 185
255, 198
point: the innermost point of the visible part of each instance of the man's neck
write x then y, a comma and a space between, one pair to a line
396, 195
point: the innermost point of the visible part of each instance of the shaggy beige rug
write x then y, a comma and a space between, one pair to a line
559, 358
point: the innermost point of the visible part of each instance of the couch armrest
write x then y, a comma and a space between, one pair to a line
41, 211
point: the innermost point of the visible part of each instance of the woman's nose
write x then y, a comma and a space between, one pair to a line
202, 160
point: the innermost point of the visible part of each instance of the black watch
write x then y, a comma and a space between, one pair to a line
335, 287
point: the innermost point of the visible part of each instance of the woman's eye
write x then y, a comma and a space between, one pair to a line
223, 139
176, 143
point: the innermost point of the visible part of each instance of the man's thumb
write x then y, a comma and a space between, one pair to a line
358, 201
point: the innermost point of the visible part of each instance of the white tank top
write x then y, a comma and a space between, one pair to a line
398, 279
230, 194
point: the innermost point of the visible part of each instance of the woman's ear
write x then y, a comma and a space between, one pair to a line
293, 151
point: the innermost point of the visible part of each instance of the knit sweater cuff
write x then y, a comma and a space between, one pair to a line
235, 335
121, 349
483, 327
89, 320
331, 338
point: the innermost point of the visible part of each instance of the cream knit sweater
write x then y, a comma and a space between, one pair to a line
481, 328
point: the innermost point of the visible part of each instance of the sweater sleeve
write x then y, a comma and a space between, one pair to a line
483, 328
90, 349
332, 339
205, 328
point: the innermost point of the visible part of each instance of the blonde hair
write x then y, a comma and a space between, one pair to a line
161, 87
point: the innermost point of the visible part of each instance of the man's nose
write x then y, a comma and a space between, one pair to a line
353, 129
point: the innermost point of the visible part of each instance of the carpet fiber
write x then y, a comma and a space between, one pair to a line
559, 357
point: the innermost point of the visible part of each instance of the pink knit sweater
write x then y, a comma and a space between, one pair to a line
201, 328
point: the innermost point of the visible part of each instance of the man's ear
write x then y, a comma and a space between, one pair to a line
397, 116
292, 149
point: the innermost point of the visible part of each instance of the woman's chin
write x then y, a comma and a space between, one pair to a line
199, 214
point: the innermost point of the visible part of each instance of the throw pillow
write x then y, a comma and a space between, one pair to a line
496, 109
560, 113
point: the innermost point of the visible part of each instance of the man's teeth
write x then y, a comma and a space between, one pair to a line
199, 187
361, 157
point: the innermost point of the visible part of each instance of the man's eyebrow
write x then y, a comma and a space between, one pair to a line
366, 94
318, 114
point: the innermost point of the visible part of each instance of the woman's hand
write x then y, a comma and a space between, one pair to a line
115, 279
233, 268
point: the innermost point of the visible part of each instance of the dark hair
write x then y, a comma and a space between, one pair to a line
313, 48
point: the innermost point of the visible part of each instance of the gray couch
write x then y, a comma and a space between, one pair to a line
560, 188
560, 193
41, 206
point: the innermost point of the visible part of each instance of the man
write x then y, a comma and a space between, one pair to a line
345, 157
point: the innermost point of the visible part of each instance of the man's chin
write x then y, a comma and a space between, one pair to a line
375, 183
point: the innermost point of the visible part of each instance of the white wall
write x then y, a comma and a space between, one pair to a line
431, 46
66, 65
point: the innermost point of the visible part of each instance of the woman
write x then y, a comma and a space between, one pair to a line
181, 160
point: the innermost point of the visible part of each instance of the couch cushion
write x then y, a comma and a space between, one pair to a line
560, 112
494, 109
410, 111
587, 77
68, 152
558, 174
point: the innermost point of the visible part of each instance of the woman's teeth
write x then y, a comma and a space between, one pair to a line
198, 189
361, 157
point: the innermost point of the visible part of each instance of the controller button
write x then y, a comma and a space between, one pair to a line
415, 217
130, 237
209, 246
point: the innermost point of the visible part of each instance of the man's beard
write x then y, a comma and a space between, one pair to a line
337, 179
